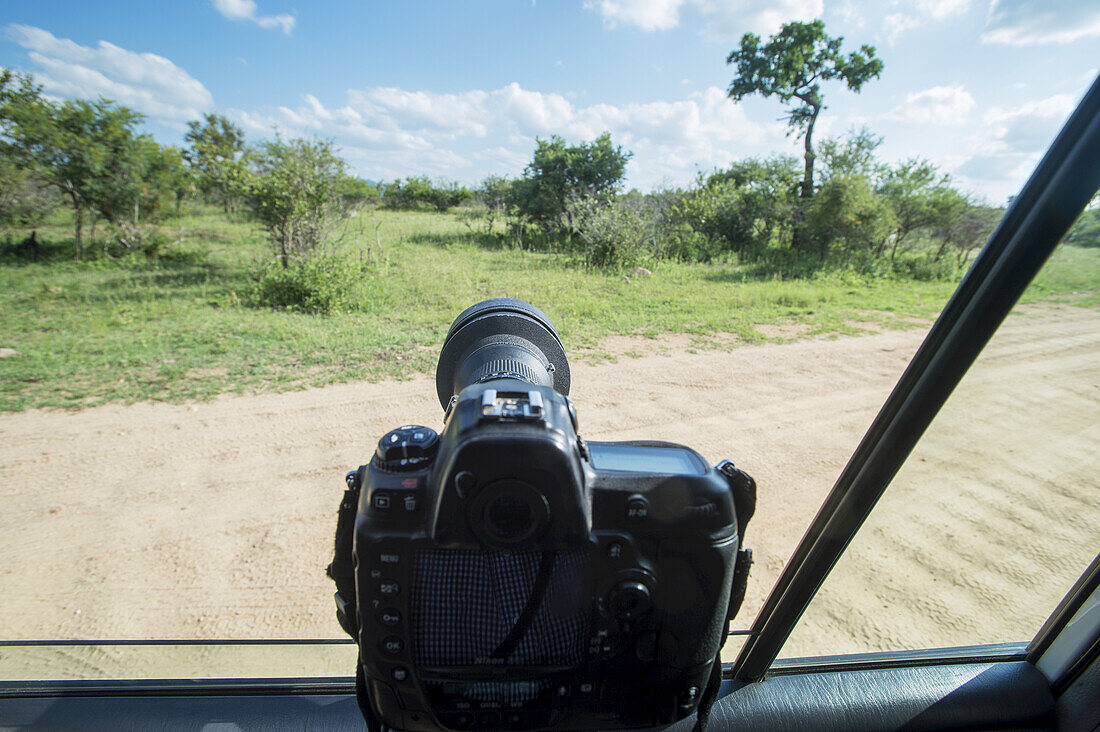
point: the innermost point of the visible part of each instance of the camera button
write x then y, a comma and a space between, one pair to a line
399, 673
513, 719
389, 617
463, 719
381, 500
488, 719
637, 508
389, 588
392, 645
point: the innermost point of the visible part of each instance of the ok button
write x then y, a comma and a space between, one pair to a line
392, 645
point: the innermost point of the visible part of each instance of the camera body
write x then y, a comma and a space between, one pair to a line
643, 537
507, 574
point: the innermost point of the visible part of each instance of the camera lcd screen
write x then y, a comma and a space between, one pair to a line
644, 459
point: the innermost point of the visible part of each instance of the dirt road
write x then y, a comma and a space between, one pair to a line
215, 520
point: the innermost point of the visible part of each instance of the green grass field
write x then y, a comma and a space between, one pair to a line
176, 328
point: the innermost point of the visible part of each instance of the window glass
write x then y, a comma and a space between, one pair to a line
997, 511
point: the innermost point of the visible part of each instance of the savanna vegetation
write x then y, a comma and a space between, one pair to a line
132, 270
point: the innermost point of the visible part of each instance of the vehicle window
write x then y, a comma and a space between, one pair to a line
997, 510
233, 233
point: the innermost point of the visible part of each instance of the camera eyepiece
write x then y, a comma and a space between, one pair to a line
501, 338
509, 513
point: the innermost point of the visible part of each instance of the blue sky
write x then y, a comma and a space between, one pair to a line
459, 90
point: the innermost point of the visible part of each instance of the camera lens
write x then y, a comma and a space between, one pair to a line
501, 338
509, 512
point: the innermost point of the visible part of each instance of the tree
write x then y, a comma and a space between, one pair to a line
81, 148
960, 224
559, 173
217, 154
294, 193
493, 195
854, 155
918, 193
847, 217
746, 207
792, 65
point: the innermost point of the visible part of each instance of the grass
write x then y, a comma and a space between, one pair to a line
175, 328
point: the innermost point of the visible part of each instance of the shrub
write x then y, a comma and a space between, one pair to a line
323, 284
846, 217
420, 192
746, 208
294, 195
617, 233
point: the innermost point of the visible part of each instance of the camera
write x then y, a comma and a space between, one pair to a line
505, 573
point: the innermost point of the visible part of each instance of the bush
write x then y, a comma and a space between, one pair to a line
294, 195
323, 284
1086, 232
846, 217
617, 233
746, 208
416, 193
356, 192
559, 174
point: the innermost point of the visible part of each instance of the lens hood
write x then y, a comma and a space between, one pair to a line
501, 337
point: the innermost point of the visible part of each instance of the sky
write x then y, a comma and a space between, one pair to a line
460, 90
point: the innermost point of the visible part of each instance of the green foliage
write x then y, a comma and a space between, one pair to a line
88, 151
961, 226
217, 155
847, 218
918, 194
26, 200
355, 192
420, 192
745, 208
853, 155
293, 193
619, 233
323, 284
1086, 232
560, 173
179, 327
492, 197
791, 66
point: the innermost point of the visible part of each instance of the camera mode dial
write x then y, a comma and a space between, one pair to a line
410, 447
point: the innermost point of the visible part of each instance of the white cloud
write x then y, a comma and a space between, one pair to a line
940, 105
388, 132
1029, 22
247, 10
895, 24
1029, 127
649, 15
148, 83
1010, 142
918, 13
722, 19
942, 9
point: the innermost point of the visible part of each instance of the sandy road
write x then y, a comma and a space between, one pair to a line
215, 520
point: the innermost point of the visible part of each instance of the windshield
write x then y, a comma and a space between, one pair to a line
233, 236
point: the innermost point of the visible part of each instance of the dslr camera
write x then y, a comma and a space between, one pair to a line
507, 574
